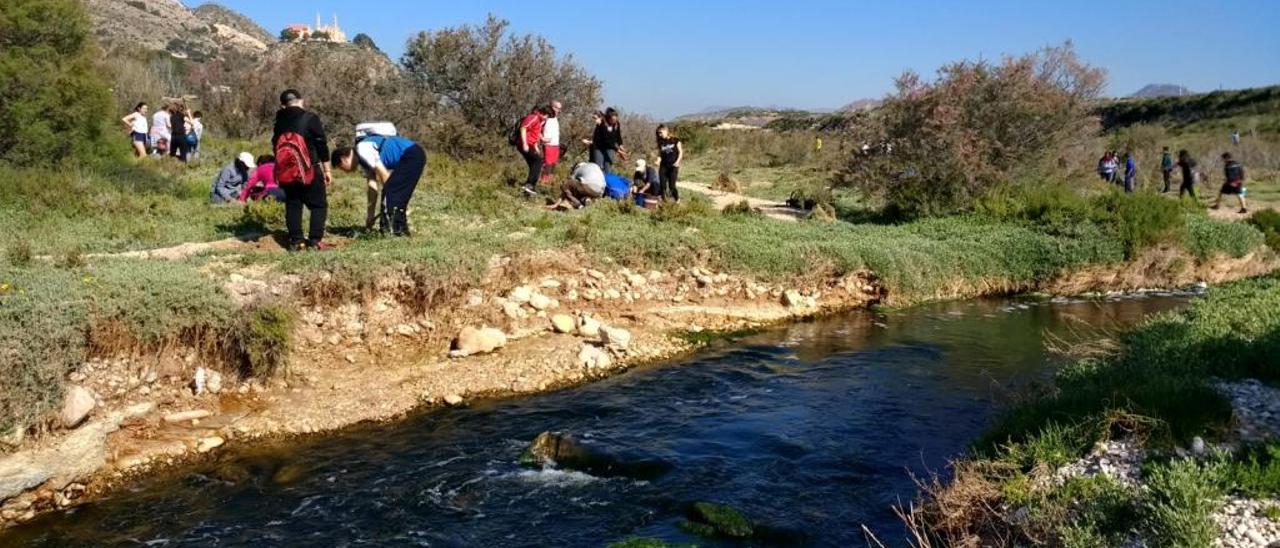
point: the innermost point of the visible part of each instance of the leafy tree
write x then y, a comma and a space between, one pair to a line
53, 103
935, 147
489, 78
363, 40
289, 35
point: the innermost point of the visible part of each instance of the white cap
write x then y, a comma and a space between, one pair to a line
247, 159
640, 164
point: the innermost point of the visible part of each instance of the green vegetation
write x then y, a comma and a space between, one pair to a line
1267, 222
1195, 112
1157, 389
709, 519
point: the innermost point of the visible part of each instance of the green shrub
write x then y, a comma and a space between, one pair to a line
1181, 500
263, 215
1207, 237
1140, 219
1255, 471
54, 105
262, 338
1267, 221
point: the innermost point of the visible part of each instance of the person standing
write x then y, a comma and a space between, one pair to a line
1130, 172
179, 146
1233, 173
136, 121
1235, 137
1166, 167
197, 133
395, 162
302, 169
1188, 166
160, 135
606, 141
529, 142
670, 154
551, 141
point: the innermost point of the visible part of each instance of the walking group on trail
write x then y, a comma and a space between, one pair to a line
1233, 174
175, 130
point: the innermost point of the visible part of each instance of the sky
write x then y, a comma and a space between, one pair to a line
671, 57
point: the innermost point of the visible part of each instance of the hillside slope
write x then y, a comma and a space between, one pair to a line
167, 25
217, 14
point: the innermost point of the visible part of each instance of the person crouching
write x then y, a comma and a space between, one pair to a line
586, 182
394, 162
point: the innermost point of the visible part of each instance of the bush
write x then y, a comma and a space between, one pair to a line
1267, 221
53, 103
937, 147
262, 338
1183, 496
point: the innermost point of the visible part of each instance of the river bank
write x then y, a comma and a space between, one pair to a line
381, 359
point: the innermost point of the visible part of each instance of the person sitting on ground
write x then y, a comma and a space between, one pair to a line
136, 122
394, 162
1234, 175
1188, 166
644, 182
262, 182
232, 179
586, 182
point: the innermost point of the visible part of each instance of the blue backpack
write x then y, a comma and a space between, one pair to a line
616, 186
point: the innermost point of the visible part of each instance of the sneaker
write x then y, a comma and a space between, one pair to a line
529, 191
1244, 211
318, 246
296, 246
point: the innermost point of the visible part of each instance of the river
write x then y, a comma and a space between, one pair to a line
815, 428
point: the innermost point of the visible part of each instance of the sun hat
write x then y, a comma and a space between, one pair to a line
247, 159
640, 164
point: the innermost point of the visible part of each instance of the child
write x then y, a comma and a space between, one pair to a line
670, 153
136, 122
1234, 175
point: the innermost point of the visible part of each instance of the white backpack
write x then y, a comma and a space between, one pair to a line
384, 129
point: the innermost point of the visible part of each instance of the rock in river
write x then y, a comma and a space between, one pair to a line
564, 452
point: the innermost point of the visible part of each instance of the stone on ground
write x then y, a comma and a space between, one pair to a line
615, 338
76, 406
473, 341
520, 295
588, 327
209, 444
562, 323
593, 357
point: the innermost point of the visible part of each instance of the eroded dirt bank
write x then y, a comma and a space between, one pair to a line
563, 324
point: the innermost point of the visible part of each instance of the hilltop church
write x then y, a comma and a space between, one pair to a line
321, 32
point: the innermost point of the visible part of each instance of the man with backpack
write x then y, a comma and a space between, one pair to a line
527, 137
1233, 172
302, 169
395, 162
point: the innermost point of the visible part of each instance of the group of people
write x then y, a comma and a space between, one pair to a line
537, 139
174, 130
1233, 174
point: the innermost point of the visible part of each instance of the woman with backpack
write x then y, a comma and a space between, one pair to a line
136, 122
670, 153
395, 162
528, 140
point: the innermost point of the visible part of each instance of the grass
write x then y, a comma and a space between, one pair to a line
1157, 388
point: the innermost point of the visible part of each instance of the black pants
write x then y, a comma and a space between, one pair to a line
314, 197
1168, 178
534, 160
180, 147
1188, 186
399, 189
668, 175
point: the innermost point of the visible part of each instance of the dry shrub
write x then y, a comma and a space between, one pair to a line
965, 511
725, 183
937, 146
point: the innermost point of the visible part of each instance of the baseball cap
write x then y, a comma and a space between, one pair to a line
247, 159
640, 165
289, 96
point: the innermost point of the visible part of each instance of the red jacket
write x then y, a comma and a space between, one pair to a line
533, 124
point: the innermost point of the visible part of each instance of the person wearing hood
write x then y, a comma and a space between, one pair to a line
232, 179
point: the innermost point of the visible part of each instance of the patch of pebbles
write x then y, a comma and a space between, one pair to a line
1257, 409
1119, 459
1244, 524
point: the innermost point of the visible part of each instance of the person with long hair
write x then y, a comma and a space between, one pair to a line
529, 144
551, 141
606, 141
262, 182
1187, 165
160, 135
670, 154
136, 122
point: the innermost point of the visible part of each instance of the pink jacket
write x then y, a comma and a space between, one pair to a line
265, 174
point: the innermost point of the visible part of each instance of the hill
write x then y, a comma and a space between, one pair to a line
1161, 90
169, 26
217, 14
1199, 109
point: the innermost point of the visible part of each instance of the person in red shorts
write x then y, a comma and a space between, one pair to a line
551, 142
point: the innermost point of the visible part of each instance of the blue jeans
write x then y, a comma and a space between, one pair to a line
603, 158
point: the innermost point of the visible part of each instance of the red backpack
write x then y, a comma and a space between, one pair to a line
293, 160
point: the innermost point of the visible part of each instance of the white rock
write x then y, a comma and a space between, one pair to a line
453, 399
213, 382
209, 444
199, 384
539, 301
76, 406
405, 329
612, 294
792, 298
637, 280
562, 323
615, 338
471, 341
593, 357
520, 295
187, 416
588, 327
513, 310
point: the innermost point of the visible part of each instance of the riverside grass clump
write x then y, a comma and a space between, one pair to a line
1158, 389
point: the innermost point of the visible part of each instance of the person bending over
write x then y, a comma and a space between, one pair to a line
394, 162
586, 183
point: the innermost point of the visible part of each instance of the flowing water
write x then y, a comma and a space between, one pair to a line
815, 428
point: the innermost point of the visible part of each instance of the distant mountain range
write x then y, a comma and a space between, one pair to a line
1161, 90
761, 116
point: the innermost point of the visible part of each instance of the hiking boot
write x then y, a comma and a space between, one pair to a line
295, 246
399, 222
1244, 211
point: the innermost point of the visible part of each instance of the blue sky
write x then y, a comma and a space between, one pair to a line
669, 57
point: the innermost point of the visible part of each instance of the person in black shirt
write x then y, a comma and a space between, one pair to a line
1188, 166
1233, 176
179, 147
293, 117
670, 153
606, 141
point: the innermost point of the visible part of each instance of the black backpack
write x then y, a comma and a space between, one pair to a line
513, 134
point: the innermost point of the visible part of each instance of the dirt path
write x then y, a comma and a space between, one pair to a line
722, 200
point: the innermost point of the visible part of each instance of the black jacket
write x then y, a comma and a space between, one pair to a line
603, 139
306, 124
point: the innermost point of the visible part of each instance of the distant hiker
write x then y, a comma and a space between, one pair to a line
197, 133
670, 153
179, 146
136, 122
586, 182
1235, 137
1166, 167
606, 141
230, 182
302, 169
262, 182
817, 145
551, 141
395, 162
1130, 172
1108, 166
528, 140
1233, 173
1188, 166
644, 182
160, 135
